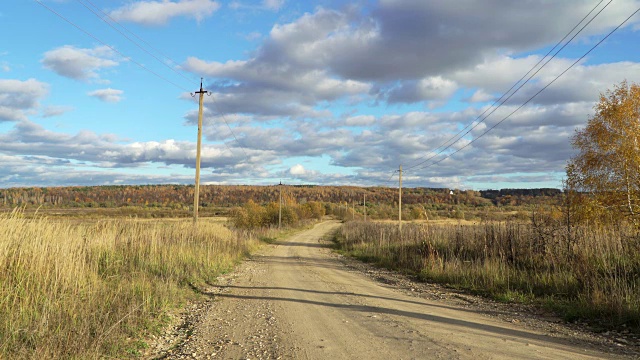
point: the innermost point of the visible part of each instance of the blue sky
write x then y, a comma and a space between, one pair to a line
324, 92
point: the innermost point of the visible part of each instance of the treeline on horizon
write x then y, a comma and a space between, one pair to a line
180, 196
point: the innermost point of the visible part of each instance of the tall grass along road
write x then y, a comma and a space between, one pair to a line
79, 290
589, 273
298, 300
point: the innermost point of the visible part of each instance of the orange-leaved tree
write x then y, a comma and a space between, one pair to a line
606, 168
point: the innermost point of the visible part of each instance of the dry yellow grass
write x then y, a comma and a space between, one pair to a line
79, 290
589, 272
431, 222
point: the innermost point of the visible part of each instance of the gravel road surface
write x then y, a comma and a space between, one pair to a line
297, 299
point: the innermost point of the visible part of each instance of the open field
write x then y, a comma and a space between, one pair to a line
430, 222
78, 288
93, 280
590, 272
133, 212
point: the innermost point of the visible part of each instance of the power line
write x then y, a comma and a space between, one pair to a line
111, 47
103, 18
495, 108
231, 130
131, 59
390, 177
155, 57
536, 94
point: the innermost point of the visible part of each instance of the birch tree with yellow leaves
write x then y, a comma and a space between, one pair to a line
607, 166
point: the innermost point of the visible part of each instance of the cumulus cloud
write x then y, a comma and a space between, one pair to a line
297, 170
494, 76
536, 137
160, 12
402, 52
20, 98
282, 99
480, 96
107, 95
369, 146
583, 83
360, 120
107, 151
427, 89
268, 89
79, 64
18, 171
413, 39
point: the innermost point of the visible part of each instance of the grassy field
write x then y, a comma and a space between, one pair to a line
581, 272
133, 212
84, 289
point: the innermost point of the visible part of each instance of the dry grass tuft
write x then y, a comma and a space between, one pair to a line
583, 272
78, 290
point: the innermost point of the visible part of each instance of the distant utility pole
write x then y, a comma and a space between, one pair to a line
196, 195
364, 207
400, 203
280, 206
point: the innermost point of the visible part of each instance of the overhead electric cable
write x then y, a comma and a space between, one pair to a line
495, 108
232, 133
132, 60
111, 47
536, 94
155, 57
391, 177
103, 18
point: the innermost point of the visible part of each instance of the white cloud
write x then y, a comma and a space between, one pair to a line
360, 120
77, 63
480, 96
401, 52
427, 89
20, 98
30, 139
306, 89
583, 82
107, 95
410, 40
297, 170
270, 89
160, 12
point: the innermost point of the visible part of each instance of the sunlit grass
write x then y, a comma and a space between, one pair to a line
586, 273
76, 290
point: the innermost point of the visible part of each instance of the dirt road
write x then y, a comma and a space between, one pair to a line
297, 300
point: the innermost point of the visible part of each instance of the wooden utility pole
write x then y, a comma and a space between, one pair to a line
364, 207
280, 207
196, 195
400, 202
